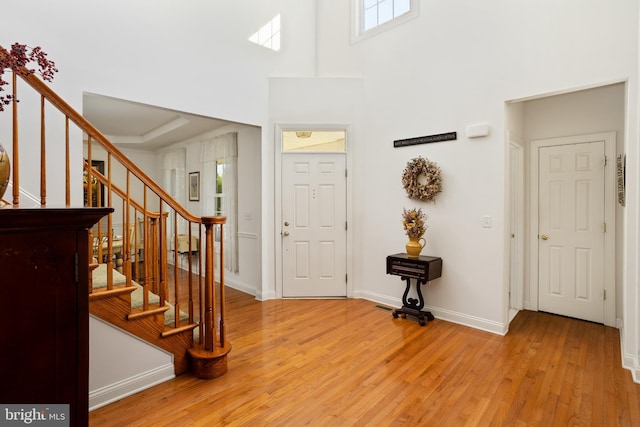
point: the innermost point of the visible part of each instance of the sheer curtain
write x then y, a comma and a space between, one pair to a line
174, 175
223, 148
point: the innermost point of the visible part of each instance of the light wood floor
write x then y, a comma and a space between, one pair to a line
347, 362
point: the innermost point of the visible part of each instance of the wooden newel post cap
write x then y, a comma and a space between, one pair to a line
212, 220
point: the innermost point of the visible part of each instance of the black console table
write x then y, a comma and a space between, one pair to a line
422, 269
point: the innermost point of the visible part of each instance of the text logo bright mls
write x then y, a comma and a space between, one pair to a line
45, 415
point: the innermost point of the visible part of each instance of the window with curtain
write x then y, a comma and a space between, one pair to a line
174, 183
219, 186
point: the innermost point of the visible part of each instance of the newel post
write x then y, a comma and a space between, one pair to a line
210, 360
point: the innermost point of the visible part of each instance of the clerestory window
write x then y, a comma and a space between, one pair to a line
377, 12
374, 16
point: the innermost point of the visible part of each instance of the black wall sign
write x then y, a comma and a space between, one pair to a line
425, 139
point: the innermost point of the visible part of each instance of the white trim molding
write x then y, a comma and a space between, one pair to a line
629, 361
442, 314
121, 389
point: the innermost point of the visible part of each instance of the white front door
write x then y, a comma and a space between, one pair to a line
571, 239
314, 261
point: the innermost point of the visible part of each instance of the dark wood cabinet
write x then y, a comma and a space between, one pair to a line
44, 343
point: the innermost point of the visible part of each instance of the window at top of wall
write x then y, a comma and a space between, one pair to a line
374, 16
268, 35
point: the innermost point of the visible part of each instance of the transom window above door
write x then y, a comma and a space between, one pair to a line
313, 141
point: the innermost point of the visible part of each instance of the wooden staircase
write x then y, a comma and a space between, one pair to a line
181, 310
115, 307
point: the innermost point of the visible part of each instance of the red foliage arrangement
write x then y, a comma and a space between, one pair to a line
17, 59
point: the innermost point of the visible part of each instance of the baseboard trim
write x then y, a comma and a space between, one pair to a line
266, 295
116, 391
242, 287
628, 361
439, 313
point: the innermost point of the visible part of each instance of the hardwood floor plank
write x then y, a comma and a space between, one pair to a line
346, 362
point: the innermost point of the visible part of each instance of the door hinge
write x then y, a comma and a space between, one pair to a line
606, 160
604, 227
346, 225
346, 278
604, 294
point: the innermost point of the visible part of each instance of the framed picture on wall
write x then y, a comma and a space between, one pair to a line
194, 186
97, 189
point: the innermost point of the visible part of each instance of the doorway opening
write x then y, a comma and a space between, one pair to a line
595, 110
313, 211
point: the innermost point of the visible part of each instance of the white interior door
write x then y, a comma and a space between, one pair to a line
313, 225
571, 218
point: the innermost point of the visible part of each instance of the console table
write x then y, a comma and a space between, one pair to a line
422, 269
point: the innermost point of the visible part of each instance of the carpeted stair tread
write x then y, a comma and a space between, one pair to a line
99, 279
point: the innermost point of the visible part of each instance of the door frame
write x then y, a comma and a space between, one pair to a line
609, 139
516, 225
278, 129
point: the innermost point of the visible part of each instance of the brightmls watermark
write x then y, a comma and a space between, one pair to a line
37, 415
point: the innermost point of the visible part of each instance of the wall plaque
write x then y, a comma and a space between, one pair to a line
450, 136
621, 172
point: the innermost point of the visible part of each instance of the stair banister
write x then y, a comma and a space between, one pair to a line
154, 230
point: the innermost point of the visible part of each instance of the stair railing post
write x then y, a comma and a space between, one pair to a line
209, 290
15, 166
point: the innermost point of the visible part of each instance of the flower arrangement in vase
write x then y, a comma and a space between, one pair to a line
413, 222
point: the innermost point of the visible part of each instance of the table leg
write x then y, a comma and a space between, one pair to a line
413, 306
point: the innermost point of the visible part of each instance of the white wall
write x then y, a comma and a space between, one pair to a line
191, 56
121, 364
444, 71
454, 65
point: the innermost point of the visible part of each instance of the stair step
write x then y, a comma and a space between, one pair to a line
100, 294
178, 330
154, 325
139, 314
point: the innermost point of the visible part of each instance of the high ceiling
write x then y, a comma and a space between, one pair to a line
134, 125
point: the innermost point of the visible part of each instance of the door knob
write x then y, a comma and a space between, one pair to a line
286, 223
544, 237
286, 233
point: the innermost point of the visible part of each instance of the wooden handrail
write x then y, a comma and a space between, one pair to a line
83, 124
156, 242
122, 193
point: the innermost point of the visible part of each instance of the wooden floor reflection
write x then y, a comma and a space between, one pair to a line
348, 362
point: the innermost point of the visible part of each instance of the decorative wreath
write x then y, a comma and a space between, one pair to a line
415, 169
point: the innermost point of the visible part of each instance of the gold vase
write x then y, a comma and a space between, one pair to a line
414, 246
5, 170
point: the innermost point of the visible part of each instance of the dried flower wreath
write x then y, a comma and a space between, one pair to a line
416, 168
